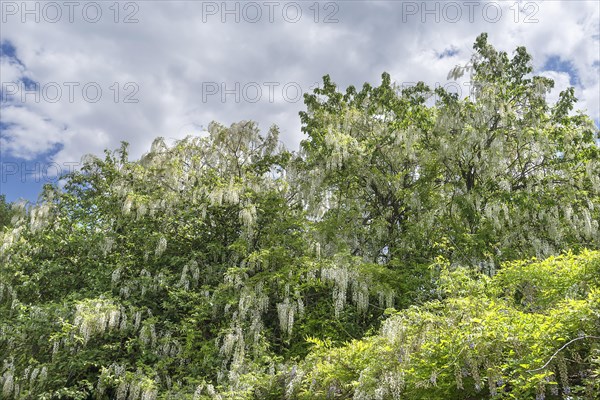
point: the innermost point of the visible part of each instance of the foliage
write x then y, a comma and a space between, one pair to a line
189, 265
495, 176
480, 340
6, 212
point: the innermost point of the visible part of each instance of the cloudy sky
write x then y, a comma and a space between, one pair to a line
79, 77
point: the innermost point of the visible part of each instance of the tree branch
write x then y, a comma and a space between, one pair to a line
562, 348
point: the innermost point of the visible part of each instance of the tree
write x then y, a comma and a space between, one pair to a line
497, 175
6, 212
519, 177
193, 264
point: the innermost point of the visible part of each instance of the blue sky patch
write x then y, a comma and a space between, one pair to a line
555, 63
449, 52
24, 179
8, 50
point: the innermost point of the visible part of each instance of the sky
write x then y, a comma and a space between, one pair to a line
78, 77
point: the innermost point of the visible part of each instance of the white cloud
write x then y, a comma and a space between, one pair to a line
171, 52
561, 82
12, 72
28, 134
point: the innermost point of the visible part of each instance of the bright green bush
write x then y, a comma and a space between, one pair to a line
480, 341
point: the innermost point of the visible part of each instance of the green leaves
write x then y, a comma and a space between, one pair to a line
487, 340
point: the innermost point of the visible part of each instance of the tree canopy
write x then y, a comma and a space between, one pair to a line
409, 249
